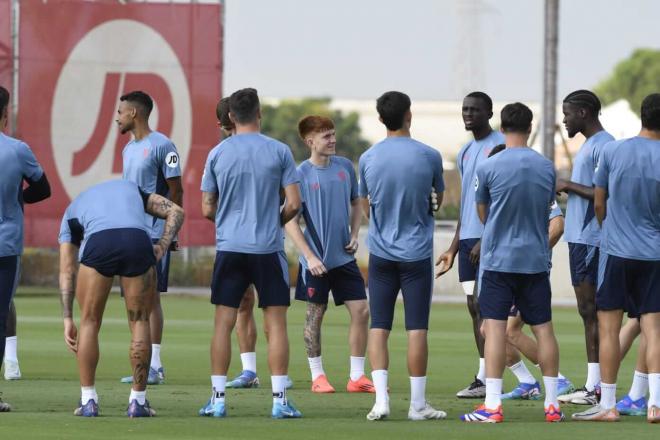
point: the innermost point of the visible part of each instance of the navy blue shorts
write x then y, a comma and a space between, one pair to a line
345, 281
9, 273
629, 285
233, 272
126, 252
162, 270
530, 293
583, 261
413, 278
466, 270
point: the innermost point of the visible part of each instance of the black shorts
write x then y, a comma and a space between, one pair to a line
345, 282
583, 261
162, 270
233, 272
466, 270
629, 285
126, 252
413, 278
530, 293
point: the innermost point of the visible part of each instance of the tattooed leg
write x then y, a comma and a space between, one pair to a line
139, 293
312, 331
92, 293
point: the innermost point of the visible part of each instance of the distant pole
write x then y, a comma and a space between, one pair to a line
550, 77
14, 66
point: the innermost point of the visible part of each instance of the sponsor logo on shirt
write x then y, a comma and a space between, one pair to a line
172, 159
476, 183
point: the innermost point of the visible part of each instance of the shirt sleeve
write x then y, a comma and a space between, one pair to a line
482, 193
209, 182
438, 181
301, 184
363, 190
169, 160
289, 172
459, 160
65, 230
354, 182
71, 230
602, 173
32, 171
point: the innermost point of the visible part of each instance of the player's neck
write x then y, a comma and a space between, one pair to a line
482, 132
516, 140
650, 134
141, 131
402, 132
319, 160
250, 127
592, 129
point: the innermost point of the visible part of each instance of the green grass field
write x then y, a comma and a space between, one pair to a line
44, 400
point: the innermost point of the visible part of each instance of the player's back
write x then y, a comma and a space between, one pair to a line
398, 174
632, 223
18, 163
113, 204
247, 170
519, 184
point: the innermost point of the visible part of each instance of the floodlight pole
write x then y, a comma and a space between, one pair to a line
550, 77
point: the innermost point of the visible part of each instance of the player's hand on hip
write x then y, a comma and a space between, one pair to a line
316, 267
475, 253
444, 263
70, 335
352, 246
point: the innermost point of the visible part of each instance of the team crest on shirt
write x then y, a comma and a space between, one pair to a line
172, 159
487, 151
145, 153
311, 292
342, 176
315, 186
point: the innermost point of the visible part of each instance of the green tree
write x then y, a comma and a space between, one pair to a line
633, 79
281, 122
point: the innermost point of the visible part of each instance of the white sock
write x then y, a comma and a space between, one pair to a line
357, 367
249, 361
654, 389
155, 357
639, 387
379, 378
493, 393
560, 376
279, 389
10, 349
522, 373
316, 367
593, 376
218, 384
607, 395
418, 392
87, 394
481, 375
140, 396
550, 384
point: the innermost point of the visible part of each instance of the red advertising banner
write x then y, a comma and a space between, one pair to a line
6, 52
77, 58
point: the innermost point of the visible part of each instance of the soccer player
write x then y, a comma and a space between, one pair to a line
19, 165
332, 214
627, 203
396, 177
514, 192
581, 109
517, 341
477, 111
246, 327
104, 230
241, 186
151, 160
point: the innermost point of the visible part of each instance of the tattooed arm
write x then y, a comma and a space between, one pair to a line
160, 207
68, 271
209, 205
